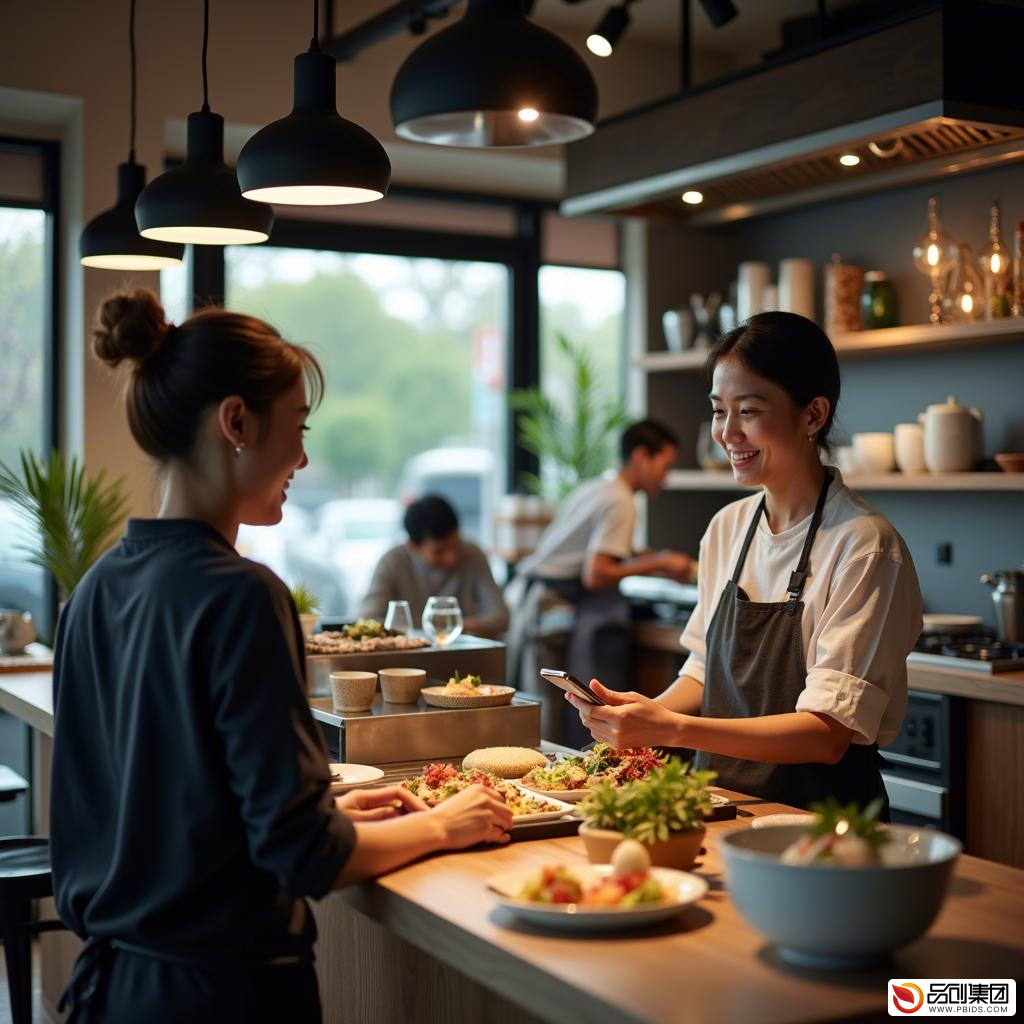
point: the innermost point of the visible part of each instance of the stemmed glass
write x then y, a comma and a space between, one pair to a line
399, 617
442, 620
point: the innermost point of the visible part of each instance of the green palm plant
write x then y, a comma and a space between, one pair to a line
578, 442
72, 515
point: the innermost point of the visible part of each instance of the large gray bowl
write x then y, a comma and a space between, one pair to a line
838, 917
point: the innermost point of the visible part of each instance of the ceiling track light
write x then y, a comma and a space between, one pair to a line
314, 156
601, 42
494, 79
199, 201
111, 240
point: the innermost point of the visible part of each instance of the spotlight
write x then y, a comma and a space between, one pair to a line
849, 159
719, 11
602, 40
693, 197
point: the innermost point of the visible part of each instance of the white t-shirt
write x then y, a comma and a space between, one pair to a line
596, 518
862, 605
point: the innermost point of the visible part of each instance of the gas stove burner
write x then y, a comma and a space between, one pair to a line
937, 643
982, 650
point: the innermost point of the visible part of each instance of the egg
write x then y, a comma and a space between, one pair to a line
630, 857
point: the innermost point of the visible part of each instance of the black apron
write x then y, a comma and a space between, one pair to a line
755, 666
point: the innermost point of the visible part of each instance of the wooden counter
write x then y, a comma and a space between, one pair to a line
429, 943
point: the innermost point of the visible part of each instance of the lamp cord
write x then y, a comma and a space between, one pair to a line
314, 43
131, 50
206, 40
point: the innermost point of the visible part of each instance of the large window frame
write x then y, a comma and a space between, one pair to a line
50, 153
520, 252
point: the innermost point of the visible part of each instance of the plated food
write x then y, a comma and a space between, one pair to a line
468, 692
505, 762
571, 777
362, 637
437, 782
627, 893
842, 836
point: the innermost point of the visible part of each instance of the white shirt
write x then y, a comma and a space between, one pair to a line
596, 518
862, 605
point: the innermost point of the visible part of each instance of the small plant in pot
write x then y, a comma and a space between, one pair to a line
665, 811
307, 604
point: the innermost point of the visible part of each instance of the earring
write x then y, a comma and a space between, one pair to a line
238, 449
810, 439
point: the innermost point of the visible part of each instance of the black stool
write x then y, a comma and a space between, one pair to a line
24, 876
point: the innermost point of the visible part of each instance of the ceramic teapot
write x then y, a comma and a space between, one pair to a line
952, 437
16, 631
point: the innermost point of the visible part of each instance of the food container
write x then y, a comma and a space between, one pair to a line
909, 445
796, 287
952, 437
879, 306
843, 284
754, 278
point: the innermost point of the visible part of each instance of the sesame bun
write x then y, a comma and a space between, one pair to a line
505, 762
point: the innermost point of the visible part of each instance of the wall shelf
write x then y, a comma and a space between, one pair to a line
889, 341
722, 480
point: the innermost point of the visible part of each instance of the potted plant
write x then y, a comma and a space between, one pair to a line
576, 442
665, 811
307, 604
72, 516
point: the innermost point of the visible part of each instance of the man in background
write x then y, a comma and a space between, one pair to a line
437, 559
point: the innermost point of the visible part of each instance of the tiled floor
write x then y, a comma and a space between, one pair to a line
39, 1015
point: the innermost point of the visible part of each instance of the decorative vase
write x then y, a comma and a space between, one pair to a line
679, 851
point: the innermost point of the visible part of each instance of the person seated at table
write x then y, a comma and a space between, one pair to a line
437, 559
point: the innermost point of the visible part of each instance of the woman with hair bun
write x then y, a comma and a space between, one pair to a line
808, 602
191, 813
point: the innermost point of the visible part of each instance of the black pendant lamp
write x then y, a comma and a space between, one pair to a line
314, 157
111, 240
199, 201
494, 79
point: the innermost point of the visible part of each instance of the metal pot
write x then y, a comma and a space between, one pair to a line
1008, 598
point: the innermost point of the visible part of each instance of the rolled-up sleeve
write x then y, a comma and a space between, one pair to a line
276, 760
857, 664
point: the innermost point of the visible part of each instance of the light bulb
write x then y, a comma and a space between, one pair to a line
933, 255
967, 304
995, 263
693, 197
529, 114
849, 159
599, 46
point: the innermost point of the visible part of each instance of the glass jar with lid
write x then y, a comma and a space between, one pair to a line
879, 306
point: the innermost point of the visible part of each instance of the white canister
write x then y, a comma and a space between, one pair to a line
952, 437
796, 287
909, 445
754, 277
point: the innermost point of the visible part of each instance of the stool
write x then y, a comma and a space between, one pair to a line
24, 876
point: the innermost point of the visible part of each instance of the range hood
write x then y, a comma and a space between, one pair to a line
923, 96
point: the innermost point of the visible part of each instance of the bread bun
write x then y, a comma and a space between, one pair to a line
130, 325
505, 762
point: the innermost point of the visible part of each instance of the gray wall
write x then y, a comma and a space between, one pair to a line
876, 232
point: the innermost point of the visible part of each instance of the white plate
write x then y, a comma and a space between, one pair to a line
567, 796
562, 808
769, 820
353, 776
681, 887
950, 623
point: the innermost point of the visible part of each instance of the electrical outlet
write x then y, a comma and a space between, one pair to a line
944, 552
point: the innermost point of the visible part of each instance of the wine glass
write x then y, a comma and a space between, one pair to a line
442, 619
399, 617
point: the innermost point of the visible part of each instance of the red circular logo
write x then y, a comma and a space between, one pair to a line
908, 992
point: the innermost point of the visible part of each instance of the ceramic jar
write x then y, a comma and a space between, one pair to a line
16, 631
952, 437
909, 444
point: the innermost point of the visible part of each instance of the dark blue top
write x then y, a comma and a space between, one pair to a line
190, 802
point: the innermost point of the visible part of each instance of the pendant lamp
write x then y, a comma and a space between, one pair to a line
111, 240
314, 157
199, 201
494, 79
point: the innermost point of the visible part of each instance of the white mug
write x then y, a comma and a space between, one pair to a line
909, 447
874, 452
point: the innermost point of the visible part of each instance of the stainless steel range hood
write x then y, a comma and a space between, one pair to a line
922, 97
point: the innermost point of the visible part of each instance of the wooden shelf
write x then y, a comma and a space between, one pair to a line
889, 341
701, 480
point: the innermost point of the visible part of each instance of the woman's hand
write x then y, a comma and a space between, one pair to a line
476, 815
628, 720
378, 804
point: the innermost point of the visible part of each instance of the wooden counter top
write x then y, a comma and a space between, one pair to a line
707, 965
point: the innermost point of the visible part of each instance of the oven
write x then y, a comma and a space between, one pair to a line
925, 768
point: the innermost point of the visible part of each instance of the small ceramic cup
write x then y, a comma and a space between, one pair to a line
909, 447
353, 691
875, 452
402, 685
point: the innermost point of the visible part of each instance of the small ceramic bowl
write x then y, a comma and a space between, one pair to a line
833, 917
353, 691
1010, 462
402, 685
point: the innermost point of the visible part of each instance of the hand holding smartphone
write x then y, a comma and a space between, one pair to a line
571, 684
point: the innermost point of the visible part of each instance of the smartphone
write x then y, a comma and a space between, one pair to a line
571, 685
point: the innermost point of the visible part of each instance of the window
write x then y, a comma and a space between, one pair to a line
415, 352
26, 355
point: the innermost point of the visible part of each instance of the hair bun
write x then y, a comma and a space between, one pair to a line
130, 325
